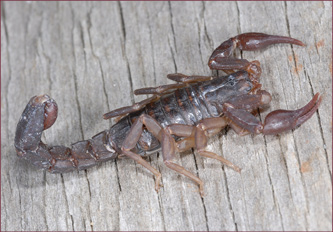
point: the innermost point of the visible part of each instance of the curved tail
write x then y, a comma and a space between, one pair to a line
40, 114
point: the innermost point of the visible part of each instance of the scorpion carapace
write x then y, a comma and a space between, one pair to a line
176, 118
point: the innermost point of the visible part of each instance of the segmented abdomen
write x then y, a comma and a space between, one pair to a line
183, 106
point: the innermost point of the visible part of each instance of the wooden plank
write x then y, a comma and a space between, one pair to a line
90, 56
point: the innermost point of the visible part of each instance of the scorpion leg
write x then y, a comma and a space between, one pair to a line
220, 58
168, 150
167, 143
129, 109
188, 134
178, 77
159, 90
239, 130
201, 139
130, 142
198, 136
185, 131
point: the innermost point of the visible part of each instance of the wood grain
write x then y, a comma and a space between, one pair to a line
90, 56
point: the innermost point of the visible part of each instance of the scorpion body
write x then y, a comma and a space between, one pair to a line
176, 118
186, 106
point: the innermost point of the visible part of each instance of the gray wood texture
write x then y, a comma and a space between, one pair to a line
90, 56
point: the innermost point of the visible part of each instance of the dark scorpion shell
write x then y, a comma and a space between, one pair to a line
187, 106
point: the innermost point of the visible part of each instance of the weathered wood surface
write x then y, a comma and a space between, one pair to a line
91, 56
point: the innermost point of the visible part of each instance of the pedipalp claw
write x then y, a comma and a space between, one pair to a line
221, 57
282, 120
253, 41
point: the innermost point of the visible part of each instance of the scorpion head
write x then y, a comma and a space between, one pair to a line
223, 88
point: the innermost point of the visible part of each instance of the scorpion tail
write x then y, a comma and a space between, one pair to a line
40, 114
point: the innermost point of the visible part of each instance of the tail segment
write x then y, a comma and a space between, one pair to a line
40, 114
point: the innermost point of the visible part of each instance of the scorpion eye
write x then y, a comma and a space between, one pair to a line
232, 82
231, 78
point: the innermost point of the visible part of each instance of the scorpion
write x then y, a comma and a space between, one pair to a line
178, 117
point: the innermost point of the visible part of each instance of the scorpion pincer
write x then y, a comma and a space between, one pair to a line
176, 118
